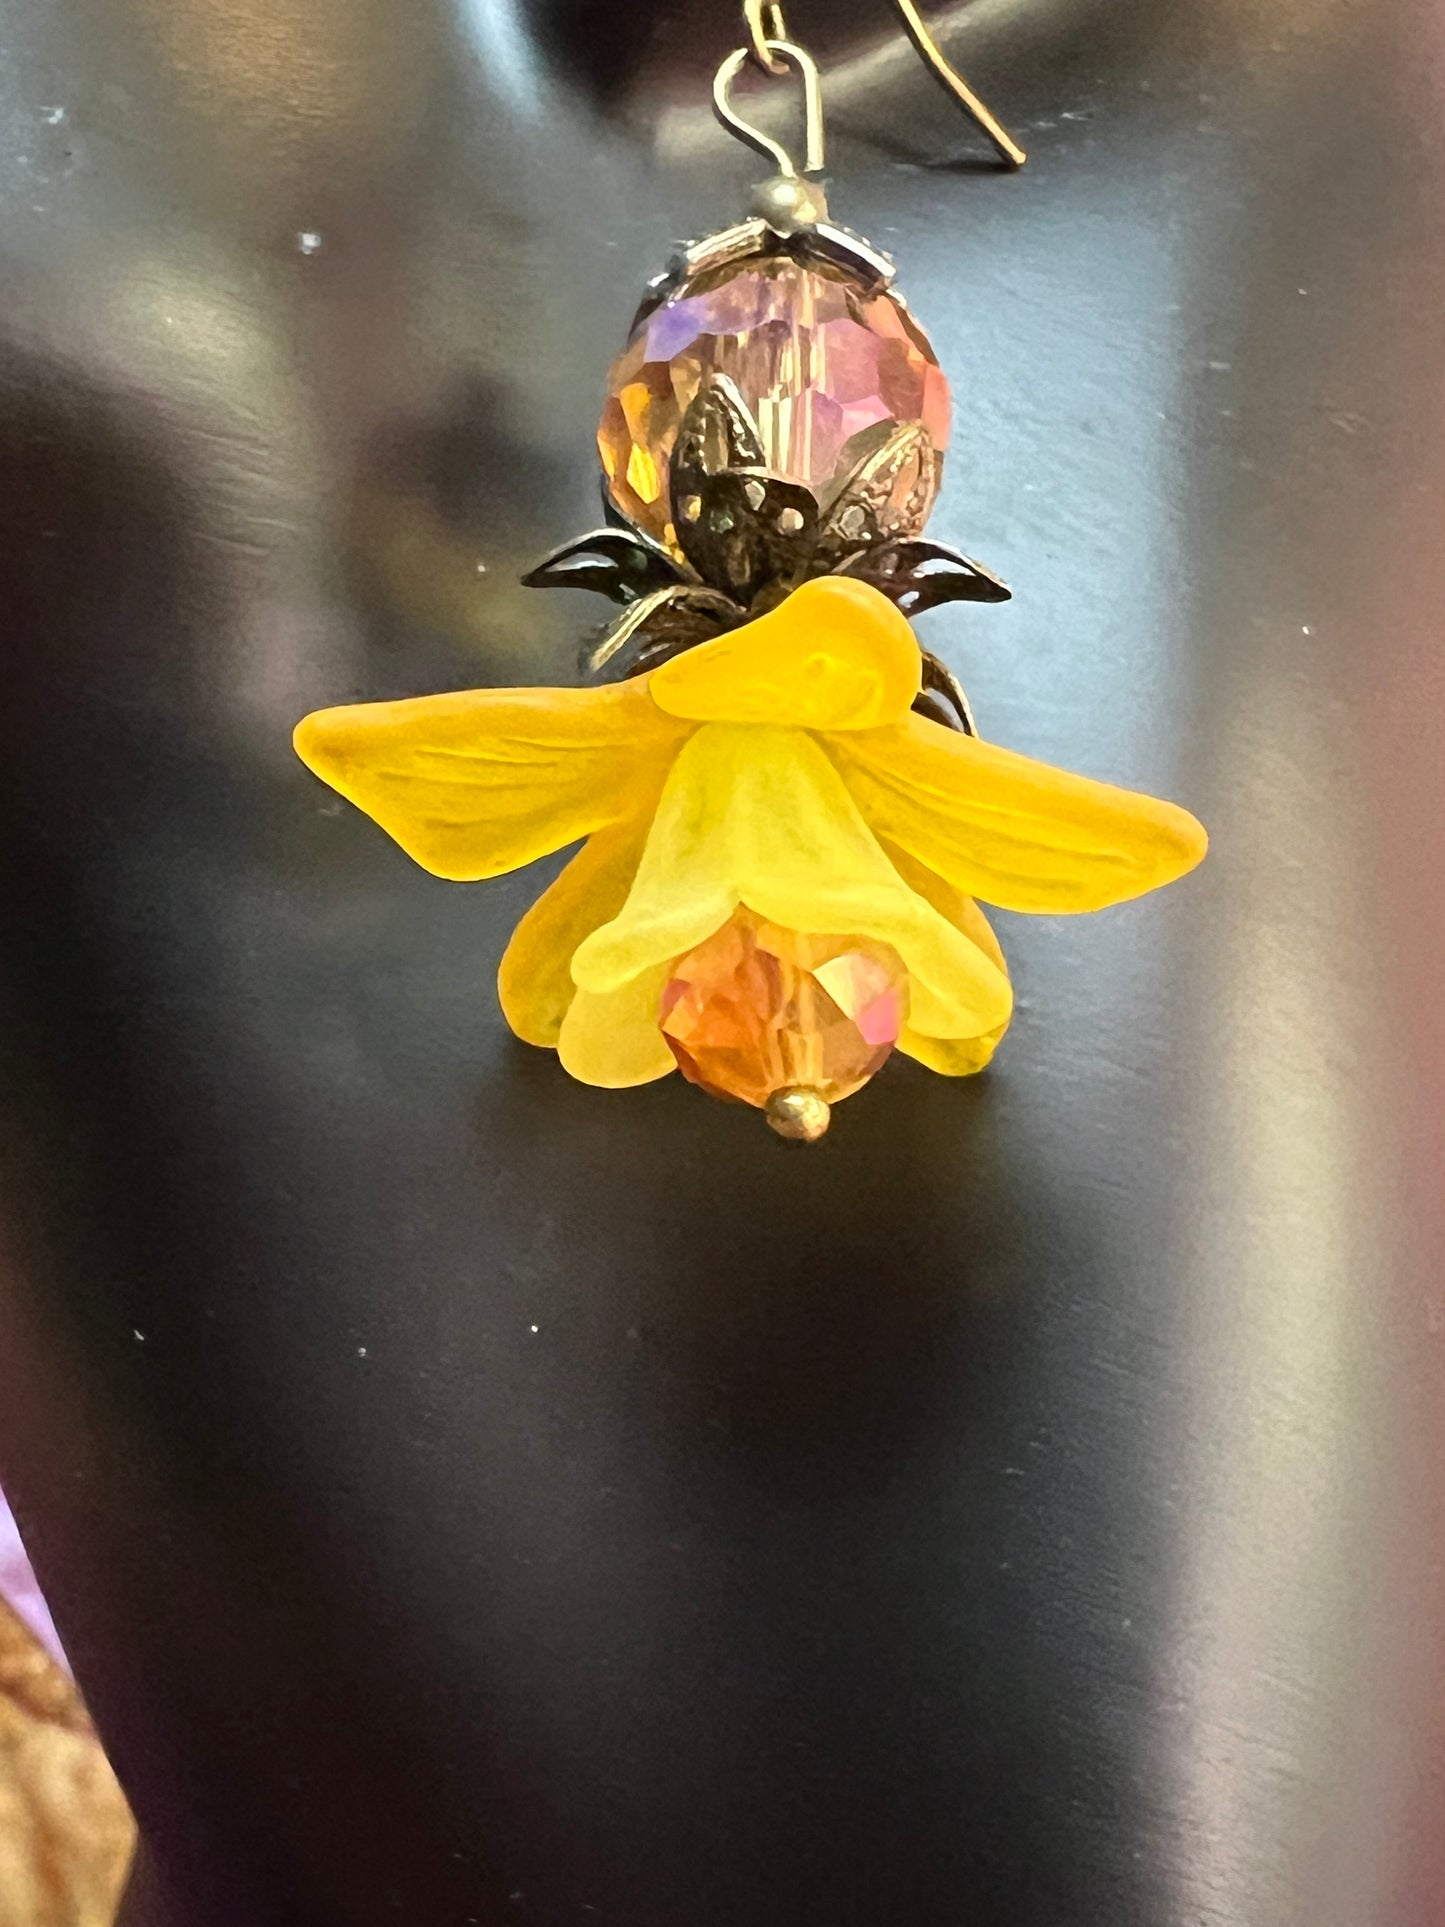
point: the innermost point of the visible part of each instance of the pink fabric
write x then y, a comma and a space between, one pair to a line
18, 1584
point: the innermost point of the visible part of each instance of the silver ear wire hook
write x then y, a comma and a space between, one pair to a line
786, 54
772, 50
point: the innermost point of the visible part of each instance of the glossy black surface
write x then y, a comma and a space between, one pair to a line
467, 1497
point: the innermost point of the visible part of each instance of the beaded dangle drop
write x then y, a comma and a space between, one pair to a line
787, 816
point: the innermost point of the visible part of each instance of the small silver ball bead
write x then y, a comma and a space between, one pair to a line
787, 203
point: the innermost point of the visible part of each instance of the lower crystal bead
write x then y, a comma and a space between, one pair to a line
757, 1011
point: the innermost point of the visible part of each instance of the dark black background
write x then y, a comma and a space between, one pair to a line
472, 1498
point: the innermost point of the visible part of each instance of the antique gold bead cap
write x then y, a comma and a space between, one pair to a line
799, 1114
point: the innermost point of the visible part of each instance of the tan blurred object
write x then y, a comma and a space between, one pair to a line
66, 1835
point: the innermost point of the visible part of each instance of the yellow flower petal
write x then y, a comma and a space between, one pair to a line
761, 817
484, 781
835, 655
1012, 831
950, 1056
614, 1039
535, 979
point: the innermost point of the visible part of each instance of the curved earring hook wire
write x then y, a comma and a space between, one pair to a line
787, 54
768, 34
954, 84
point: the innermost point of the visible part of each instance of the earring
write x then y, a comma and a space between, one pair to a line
787, 817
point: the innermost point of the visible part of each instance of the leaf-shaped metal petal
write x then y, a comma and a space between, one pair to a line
889, 490
747, 530
618, 563
742, 528
716, 433
918, 575
941, 698
614, 516
658, 626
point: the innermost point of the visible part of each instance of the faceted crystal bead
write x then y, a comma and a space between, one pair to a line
758, 1009
819, 361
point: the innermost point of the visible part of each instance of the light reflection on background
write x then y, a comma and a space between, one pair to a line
1281, 1446
1293, 1668
508, 54
271, 61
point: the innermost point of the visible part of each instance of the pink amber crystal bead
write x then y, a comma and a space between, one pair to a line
819, 361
